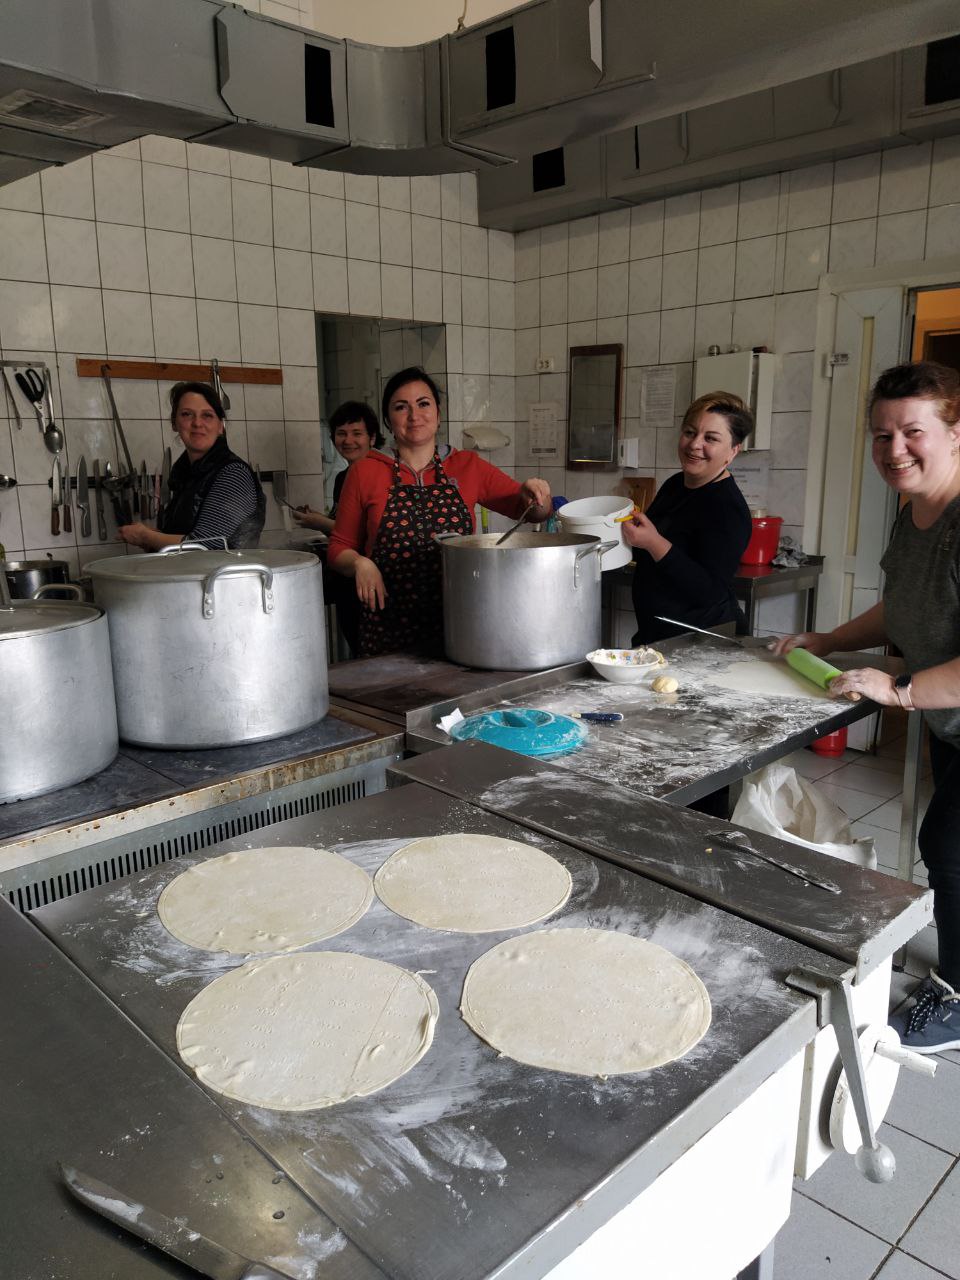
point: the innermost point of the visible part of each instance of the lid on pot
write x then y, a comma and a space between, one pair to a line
194, 565
35, 617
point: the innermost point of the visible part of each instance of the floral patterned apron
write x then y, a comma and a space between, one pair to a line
408, 557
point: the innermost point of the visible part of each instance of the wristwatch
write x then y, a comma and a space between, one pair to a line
901, 687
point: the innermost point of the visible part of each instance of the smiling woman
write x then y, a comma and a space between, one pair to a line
693, 535
915, 428
394, 504
214, 494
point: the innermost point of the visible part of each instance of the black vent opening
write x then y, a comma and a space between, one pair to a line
318, 85
501, 54
942, 79
548, 170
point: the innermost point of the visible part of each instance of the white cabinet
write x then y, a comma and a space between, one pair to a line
748, 375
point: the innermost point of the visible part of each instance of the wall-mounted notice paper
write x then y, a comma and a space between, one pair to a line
657, 395
543, 418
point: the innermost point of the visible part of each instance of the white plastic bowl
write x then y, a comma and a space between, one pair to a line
625, 666
597, 517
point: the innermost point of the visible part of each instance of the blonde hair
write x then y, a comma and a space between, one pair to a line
730, 407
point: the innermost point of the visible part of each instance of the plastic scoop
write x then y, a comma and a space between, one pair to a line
807, 664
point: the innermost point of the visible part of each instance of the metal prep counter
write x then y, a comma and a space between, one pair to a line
471, 1165
678, 747
149, 806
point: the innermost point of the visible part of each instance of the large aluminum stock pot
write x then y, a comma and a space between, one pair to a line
59, 717
531, 603
214, 648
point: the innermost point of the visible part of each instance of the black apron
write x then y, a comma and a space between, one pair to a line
190, 482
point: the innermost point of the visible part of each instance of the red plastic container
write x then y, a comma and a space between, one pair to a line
764, 540
831, 744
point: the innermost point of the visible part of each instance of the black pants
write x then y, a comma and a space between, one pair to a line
939, 842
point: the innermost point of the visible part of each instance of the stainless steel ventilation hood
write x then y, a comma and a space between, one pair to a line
77, 76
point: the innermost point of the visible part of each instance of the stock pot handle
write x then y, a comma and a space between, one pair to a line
604, 547
41, 592
176, 547
234, 570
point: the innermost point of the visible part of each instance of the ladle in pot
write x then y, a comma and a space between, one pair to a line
514, 527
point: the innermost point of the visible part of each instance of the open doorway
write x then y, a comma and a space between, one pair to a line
936, 326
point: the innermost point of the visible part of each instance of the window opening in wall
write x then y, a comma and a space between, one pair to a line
501, 55
548, 170
318, 86
942, 77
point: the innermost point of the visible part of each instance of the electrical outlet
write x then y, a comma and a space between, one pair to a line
544, 364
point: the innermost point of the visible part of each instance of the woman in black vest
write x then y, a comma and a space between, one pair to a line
214, 494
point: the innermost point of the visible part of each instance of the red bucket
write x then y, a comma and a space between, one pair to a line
764, 540
831, 744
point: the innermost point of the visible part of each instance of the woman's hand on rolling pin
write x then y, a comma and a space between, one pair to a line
538, 492
641, 532
815, 642
370, 589
868, 682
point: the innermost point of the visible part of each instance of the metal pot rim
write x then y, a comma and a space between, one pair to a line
195, 566
41, 617
517, 542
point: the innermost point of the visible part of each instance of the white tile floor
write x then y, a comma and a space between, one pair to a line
842, 1226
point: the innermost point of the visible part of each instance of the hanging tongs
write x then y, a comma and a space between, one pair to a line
126, 481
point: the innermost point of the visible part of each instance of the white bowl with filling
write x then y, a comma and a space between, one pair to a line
626, 666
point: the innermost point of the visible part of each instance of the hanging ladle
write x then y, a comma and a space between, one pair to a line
7, 482
514, 527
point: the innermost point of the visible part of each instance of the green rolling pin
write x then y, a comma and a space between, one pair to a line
815, 669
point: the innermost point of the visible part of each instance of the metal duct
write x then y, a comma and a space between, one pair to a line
77, 76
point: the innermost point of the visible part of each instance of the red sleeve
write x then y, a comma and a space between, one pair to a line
480, 481
350, 528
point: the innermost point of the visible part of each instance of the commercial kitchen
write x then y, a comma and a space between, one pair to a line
291, 201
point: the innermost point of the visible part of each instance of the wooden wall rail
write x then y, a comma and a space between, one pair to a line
170, 371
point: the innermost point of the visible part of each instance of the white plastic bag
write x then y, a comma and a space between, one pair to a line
778, 802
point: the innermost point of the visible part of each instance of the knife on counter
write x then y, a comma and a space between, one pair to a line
99, 498
83, 498
170, 1236
56, 494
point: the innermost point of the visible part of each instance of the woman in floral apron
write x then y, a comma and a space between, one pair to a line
393, 503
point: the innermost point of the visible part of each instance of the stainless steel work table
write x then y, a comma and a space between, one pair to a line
81, 1085
473, 1165
679, 747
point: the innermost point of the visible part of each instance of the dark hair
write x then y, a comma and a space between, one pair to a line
738, 417
356, 411
922, 380
413, 374
181, 389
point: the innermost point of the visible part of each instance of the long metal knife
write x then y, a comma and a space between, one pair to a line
180, 1242
56, 494
688, 626
83, 498
740, 842
165, 478
98, 494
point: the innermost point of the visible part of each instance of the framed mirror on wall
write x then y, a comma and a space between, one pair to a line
593, 407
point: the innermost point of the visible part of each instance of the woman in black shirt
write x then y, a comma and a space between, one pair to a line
691, 538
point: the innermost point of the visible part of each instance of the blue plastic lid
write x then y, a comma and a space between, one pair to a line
525, 730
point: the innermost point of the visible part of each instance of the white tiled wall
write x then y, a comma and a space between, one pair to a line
173, 251
735, 264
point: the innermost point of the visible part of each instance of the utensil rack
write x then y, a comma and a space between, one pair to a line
175, 371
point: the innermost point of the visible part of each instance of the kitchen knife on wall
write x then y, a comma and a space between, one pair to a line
171, 1236
56, 493
165, 478
98, 494
83, 498
67, 519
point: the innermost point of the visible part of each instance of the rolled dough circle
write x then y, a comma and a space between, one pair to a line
593, 1002
471, 883
271, 899
294, 1033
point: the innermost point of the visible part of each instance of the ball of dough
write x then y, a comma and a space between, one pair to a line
665, 684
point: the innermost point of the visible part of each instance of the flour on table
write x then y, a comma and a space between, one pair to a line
593, 1002
271, 899
299, 1032
770, 676
472, 883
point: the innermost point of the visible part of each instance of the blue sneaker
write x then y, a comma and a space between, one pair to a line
932, 1023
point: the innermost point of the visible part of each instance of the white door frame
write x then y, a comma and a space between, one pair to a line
907, 275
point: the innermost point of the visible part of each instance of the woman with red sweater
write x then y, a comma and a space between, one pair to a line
392, 505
